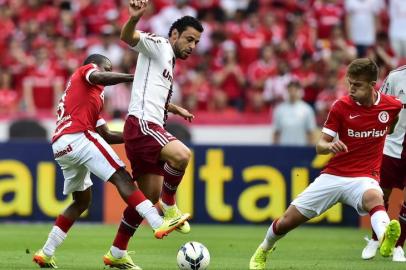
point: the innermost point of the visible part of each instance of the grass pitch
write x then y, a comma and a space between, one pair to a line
230, 248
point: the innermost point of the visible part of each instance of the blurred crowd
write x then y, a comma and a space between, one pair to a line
251, 50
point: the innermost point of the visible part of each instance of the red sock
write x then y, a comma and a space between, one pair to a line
402, 221
172, 179
274, 223
129, 224
136, 198
64, 223
374, 237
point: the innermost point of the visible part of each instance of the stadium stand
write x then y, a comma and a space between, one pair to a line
250, 51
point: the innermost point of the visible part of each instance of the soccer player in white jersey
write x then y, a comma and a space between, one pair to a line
361, 121
81, 146
393, 169
158, 159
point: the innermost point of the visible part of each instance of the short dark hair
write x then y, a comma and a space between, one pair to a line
97, 59
183, 23
365, 68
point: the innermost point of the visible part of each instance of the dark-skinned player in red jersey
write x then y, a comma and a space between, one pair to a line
81, 146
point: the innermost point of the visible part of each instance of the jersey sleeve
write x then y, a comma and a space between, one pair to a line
86, 70
100, 121
398, 105
332, 124
150, 45
388, 86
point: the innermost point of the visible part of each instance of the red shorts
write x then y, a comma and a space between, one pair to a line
144, 141
393, 173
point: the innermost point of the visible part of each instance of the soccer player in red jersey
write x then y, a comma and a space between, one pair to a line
393, 169
355, 132
158, 159
81, 146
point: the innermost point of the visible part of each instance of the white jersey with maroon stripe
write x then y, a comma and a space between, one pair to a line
395, 85
152, 86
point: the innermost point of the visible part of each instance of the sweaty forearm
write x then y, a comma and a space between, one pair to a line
114, 137
172, 108
111, 78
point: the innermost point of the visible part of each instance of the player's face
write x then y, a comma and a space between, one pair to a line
186, 42
360, 90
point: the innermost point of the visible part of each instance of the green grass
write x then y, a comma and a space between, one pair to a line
230, 248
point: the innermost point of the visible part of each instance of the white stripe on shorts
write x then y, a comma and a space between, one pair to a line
156, 135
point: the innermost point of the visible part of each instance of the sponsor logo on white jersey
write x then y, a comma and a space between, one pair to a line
367, 133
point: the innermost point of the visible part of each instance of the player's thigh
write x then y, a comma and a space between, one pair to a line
100, 158
361, 193
151, 186
319, 196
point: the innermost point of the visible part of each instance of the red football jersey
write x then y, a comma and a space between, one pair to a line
80, 106
363, 130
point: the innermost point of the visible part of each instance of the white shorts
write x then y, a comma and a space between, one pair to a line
327, 190
83, 153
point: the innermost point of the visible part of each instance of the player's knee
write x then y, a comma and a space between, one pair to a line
371, 199
123, 181
181, 158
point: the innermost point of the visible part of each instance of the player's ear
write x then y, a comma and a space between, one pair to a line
373, 83
175, 34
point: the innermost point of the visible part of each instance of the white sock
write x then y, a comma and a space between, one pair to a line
379, 222
148, 211
117, 253
55, 239
270, 238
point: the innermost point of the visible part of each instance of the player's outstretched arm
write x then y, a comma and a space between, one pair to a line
128, 33
180, 111
111, 137
326, 145
109, 78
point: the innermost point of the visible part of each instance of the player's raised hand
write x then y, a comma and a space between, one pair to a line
137, 7
338, 146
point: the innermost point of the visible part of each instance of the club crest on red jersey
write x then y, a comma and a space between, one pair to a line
383, 117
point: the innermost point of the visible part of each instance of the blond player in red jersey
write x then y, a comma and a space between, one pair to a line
81, 146
355, 132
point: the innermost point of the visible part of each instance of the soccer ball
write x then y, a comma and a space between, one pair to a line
193, 256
